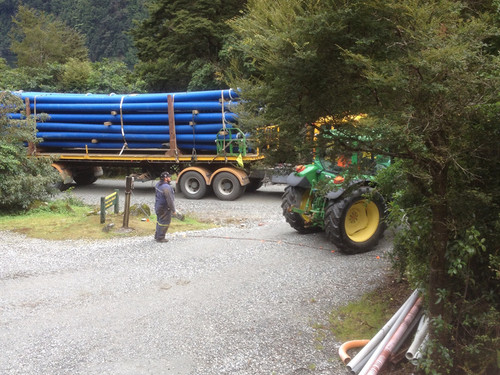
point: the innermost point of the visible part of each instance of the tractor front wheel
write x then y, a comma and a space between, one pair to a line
355, 222
296, 197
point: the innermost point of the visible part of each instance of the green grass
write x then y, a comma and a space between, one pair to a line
363, 318
70, 219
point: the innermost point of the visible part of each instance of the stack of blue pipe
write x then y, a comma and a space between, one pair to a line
138, 121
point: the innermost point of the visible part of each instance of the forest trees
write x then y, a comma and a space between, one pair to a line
179, 44
426, 74
53, 57
39, 39
104, 25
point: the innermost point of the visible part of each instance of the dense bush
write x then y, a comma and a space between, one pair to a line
24, 179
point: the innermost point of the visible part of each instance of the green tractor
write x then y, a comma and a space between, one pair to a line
349, 210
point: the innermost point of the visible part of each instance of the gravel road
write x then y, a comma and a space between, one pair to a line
244, 298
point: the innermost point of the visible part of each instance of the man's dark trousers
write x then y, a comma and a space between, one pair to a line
163, 219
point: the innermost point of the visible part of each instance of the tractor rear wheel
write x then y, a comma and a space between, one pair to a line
355, 223
296, 197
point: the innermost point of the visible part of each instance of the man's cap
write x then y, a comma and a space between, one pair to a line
164, 175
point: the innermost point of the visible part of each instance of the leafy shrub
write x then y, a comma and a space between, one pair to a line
25, 179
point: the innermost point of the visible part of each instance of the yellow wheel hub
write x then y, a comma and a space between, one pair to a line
304, 205
362, 220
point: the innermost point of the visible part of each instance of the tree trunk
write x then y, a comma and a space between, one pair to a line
438, 278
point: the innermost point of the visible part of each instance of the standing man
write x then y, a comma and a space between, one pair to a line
164, 206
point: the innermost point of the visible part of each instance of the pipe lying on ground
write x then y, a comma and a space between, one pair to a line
420, 350
375, 341
357, 368
422, 330
383, 343
350, 345
394, 340
411, 329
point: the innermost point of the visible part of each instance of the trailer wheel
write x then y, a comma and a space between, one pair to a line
61, 186
227, 187
356, 223
296, 197
84, 177
193, 185
254, 185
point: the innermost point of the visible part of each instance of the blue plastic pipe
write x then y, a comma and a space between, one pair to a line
65, 98
132, 145
181, 118
137, 129
130, 107
128, 137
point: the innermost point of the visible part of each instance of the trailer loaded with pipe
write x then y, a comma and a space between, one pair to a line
193, 134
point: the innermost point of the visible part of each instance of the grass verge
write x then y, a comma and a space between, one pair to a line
69, 219
364, 317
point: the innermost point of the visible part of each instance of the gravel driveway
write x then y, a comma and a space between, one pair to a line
240, 299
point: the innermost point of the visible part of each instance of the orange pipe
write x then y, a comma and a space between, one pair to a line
349, 345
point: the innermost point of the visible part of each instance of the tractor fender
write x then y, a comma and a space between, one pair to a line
334, 194
294, 180
241, 175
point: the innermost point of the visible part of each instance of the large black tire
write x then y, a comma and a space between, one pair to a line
355, 223
61, 186
254, 185
296, 197
227, 187
193, 185
84, 177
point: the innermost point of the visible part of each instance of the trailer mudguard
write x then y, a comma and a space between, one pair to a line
241, 175
294, 180
65, 173
203, 171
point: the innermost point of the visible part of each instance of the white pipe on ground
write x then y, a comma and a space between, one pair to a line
386, 333
410, 330
357, 368
366, 351
420, 350
389, 348
423, 328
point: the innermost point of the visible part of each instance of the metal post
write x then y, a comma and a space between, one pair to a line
128, 190
117, 201
103, 210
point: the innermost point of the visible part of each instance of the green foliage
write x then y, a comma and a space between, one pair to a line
111, 76
178, 45
39, 39
24, 179
64, 205
76, 74
28, 78
104, 24
424, 74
